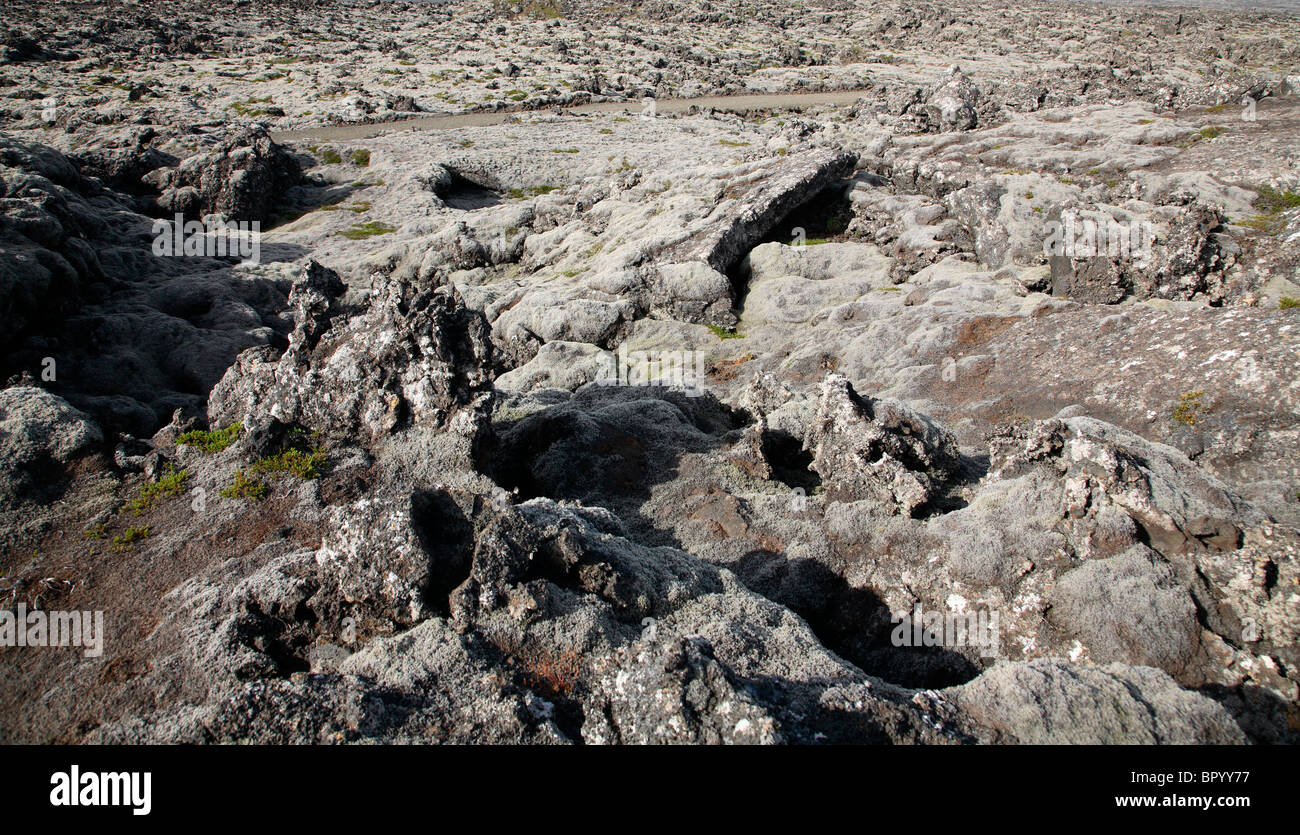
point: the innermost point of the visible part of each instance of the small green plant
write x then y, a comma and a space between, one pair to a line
1212, 131
96, 531
1186, 412
1271, 204
732, 143
250, 107
368, 229
171, 484
306, 465
211, 440
1288, 303
244, 487
126, 540
1273, 201
356, 207
531, 191
564, 150
329, 156
724, 333
360, 157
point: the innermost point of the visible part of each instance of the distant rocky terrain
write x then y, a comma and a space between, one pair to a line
552, 408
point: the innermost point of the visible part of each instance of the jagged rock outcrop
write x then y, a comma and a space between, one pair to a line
240, 179
672, 697
953, 105
1180, 259
865, 448
1178, 507
660, 648
763, 195
122, 161
411, 358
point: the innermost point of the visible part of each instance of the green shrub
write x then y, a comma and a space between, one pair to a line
305, 465
211, 440
1271, 204
171, 484
128, 538
724, 333
531, 191
244, 487
1186, 411
366, 230
1273, 201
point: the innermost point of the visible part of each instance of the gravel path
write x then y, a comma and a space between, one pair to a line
451, 121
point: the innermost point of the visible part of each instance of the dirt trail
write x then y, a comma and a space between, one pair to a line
451, 121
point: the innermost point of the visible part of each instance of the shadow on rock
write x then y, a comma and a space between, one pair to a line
853, 622
609, 446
